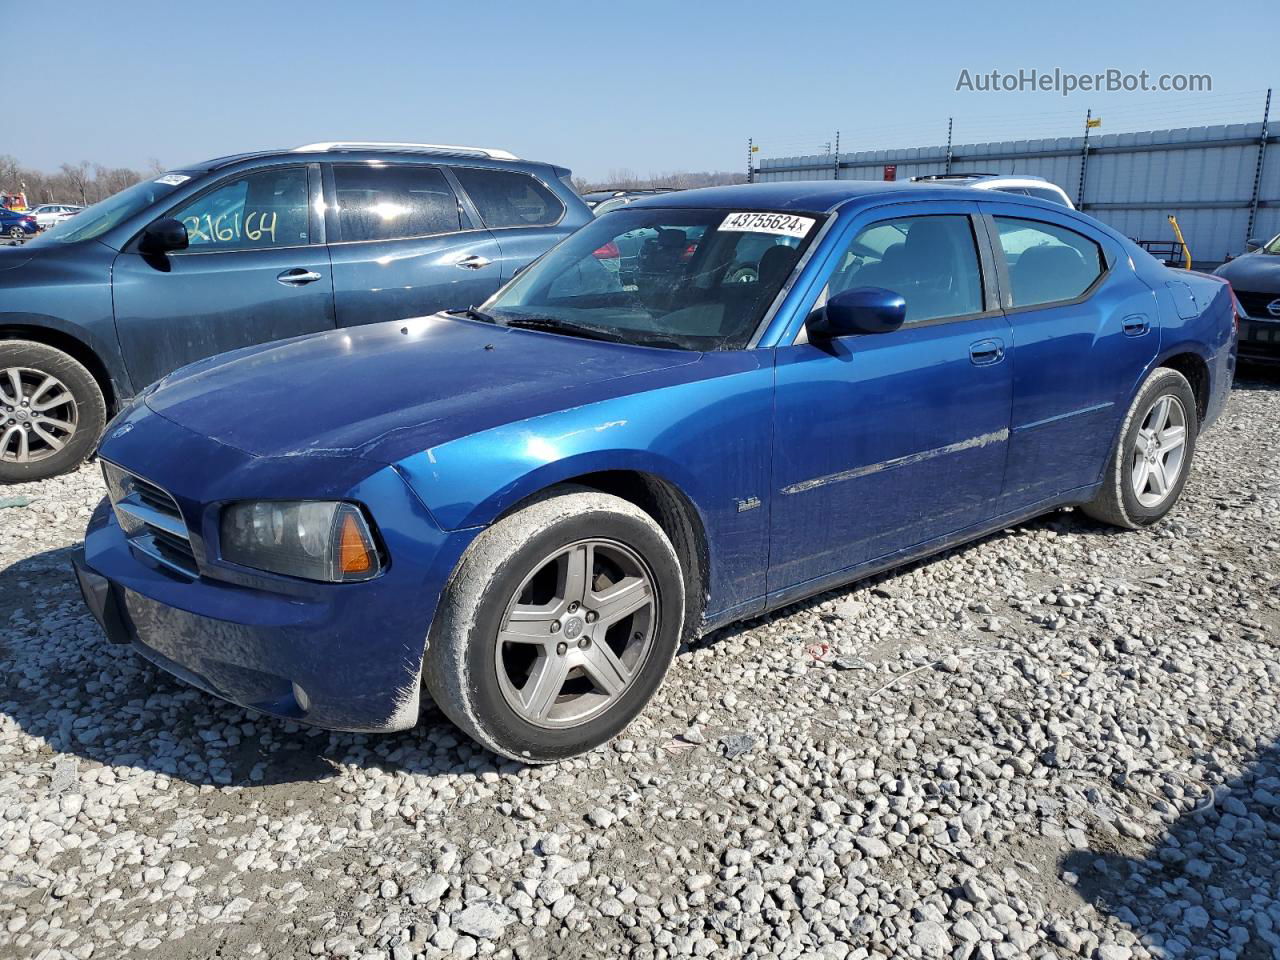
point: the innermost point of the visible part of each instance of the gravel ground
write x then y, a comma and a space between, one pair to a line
1059, 741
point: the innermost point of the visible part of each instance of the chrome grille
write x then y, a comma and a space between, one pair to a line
150, 519
1255, 304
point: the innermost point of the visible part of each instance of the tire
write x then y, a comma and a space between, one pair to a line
17, 233
519, 568
35, 443
1132, 463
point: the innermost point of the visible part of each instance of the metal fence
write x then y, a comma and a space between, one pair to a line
1221, 182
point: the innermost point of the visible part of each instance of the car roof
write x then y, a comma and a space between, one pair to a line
808, 196
373, 151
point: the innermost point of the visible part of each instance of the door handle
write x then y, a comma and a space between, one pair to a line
1136, 325
473, 262
986, 352
297, 277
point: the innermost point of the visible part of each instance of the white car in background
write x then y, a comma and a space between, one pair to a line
51, 214
1021, 184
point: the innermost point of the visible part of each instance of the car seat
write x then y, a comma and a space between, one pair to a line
1049, 272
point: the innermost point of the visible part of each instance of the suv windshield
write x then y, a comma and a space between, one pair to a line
96, 220
689, 278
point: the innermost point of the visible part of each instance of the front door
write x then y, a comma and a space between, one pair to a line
885, 441
253, 272
402, 246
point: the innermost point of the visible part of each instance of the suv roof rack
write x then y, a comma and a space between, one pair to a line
326, 146
952, 176
975, 176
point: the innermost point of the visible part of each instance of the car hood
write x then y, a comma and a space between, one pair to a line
1257, 272
387, 390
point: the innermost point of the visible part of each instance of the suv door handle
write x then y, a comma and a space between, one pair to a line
473, 262
986, 352
1136, 325
297, 277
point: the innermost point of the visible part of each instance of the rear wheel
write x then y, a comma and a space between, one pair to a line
17, 232
558, 626
51, 411
1152, 457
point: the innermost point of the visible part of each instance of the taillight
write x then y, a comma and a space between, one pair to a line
608, 251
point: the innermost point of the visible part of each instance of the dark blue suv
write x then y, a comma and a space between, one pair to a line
246, 249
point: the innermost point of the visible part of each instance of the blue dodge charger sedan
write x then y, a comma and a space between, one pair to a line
696, 408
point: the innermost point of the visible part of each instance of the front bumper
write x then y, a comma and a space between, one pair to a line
342, 656
1259, 339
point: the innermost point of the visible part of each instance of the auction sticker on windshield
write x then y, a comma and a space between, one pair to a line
779, 224
173, 179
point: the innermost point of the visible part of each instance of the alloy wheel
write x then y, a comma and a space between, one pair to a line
1159, 451
38, 415
576, 633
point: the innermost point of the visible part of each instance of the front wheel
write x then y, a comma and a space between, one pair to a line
51, 411
1152, 456
557, 627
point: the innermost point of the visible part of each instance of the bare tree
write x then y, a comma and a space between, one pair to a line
10, 173
110, 181
77, 175
625, 179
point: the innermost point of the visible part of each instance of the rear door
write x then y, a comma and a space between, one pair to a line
402, 245
256, 270
1085, 328
523, 213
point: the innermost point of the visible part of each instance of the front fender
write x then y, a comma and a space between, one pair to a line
67, 292
709, 438
518, 470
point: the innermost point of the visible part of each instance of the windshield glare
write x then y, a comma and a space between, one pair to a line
688, 278
96, 220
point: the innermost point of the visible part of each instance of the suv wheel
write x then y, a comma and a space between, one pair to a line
51, 411
558, 626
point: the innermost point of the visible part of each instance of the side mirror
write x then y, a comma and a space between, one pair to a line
1252, 244
858, 311
164, 236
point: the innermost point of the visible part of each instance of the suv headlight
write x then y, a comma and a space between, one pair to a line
321, 540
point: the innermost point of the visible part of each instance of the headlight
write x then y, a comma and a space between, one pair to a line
313, 539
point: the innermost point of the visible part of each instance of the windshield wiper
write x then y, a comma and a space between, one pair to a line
475, 314
556, 325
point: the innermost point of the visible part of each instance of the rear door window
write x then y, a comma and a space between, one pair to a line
1047, 263
393, 202
506, 198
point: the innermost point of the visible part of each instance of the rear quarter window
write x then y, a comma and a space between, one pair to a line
507, 198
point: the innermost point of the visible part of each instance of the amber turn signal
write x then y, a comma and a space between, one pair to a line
355, 552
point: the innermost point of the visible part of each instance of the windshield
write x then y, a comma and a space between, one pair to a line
96, 220
1273, 246
691, 278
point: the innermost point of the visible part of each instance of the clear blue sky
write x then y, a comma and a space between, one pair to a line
650, 86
